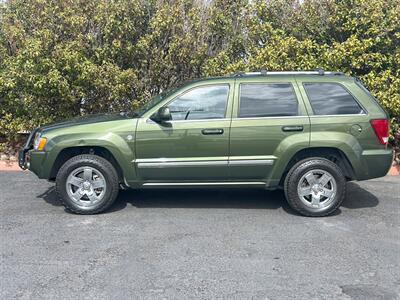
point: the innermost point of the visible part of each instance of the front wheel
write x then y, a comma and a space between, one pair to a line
87, 184
315, 187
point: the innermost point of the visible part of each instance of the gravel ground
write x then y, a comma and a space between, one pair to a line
198, 244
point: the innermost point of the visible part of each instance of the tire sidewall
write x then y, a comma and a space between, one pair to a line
97, 163
301, 168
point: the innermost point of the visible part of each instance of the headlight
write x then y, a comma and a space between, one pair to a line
39, 142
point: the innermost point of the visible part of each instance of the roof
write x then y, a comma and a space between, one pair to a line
309, 75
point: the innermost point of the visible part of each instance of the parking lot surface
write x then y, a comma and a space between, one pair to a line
198, 244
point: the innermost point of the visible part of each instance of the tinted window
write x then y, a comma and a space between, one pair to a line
267, 100
331, 99
206, 102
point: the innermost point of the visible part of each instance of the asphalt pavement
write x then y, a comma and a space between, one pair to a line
198, 244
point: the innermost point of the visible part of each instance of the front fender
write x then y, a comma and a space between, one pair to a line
114, 143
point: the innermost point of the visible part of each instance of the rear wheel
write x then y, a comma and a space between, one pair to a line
87, 184
315, 187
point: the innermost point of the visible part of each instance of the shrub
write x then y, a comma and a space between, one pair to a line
60, 58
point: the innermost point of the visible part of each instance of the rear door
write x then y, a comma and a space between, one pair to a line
268, 114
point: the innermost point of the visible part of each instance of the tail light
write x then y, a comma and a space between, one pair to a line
381, 128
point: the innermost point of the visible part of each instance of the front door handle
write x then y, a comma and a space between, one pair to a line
292, 128
212, 131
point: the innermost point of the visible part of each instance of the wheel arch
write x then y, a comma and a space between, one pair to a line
70, 152
335, 155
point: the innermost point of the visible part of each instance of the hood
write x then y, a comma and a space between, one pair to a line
89, 119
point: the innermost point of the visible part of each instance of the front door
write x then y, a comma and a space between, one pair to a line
194, 145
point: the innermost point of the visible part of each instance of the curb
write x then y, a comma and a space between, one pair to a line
394, 170
6, 165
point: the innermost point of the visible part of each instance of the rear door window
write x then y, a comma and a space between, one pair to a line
267, 100
331, 99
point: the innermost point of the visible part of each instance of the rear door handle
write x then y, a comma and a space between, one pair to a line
212, 131
292, 128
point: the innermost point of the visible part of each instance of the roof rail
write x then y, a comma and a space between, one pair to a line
317, 71
320, 71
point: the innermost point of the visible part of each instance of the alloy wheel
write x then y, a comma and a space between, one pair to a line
317, 189
86, 186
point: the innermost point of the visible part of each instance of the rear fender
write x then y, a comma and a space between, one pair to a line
344, 142
284, 152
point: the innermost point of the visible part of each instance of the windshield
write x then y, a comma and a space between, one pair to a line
153, 102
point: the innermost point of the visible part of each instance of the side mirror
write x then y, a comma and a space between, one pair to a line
162, 115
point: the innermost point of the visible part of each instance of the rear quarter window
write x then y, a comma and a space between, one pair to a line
331, 99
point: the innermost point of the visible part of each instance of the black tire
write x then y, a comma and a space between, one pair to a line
300, 169
95, 162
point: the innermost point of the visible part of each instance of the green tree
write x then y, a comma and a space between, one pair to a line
62, 58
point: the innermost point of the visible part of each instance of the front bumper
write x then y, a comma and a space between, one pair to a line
31, 159
23, 158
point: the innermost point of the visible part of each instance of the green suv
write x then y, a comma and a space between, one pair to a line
306, 132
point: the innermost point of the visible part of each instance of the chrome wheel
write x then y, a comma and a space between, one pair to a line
317, 189
86, 186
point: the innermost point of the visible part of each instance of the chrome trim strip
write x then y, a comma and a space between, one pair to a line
203, 183
252, 157
199, 120
344, 115
258, 118
176, 159
206, 163
251, 162
261, 118
177, 164
150, 121
297, 117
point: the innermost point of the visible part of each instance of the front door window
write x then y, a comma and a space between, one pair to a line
205, 102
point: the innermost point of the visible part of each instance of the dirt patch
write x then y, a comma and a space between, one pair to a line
366, 291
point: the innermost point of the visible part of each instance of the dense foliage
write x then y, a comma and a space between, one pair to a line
61, 58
